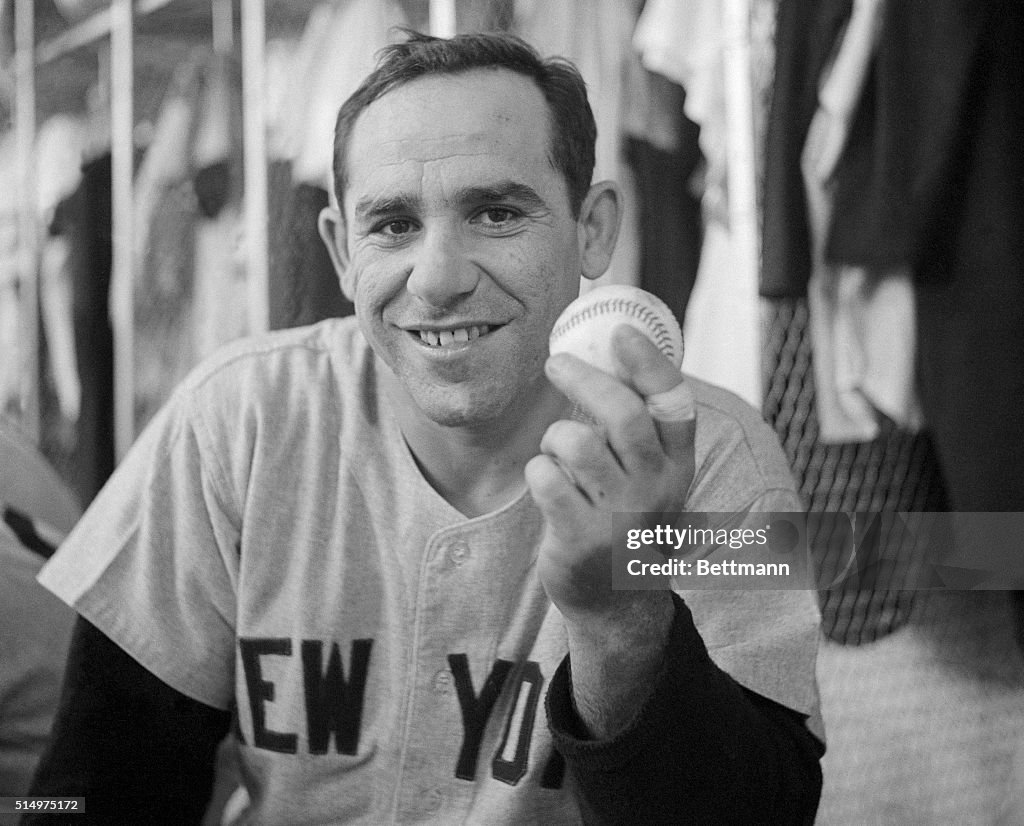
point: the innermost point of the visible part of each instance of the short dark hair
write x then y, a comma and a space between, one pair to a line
573, 131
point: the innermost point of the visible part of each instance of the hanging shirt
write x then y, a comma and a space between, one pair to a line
688, 41
862, 318
596, 37
338, 51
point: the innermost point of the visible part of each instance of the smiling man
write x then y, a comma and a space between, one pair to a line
378, 550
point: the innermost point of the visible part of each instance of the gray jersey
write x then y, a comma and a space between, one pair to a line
269, 545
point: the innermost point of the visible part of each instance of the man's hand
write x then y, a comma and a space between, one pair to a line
627, 461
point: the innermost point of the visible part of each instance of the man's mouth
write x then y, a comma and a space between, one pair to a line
456, 335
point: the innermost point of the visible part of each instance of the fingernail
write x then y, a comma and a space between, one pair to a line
555, 365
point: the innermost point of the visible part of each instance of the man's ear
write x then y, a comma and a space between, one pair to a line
598, 227
335, 238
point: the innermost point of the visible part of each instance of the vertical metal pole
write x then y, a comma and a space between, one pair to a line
28, 240
442, 18
740, 165
122, 149
254, 144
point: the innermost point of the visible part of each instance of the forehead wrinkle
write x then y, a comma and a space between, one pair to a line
407, 194
416, 123
424, 150
384, 141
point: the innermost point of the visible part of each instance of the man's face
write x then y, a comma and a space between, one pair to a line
462, 248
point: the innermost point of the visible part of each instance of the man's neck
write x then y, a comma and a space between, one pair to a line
477, 469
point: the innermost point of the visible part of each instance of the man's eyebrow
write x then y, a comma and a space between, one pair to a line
501, 192
374, 206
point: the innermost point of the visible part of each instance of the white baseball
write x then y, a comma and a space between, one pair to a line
584, 328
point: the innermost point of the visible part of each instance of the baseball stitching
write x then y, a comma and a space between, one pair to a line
663, 339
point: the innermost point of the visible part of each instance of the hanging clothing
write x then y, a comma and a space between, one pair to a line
687, 41
84, 219
60, 149
670, 226
222, 293
304, 286
682, 40
337, 51
929, 178
596, 37
933, 176
805, 35
896, 177
189, 271
164, 219
220, 275
664, 158
863, 328
10, 304
862, 318
895, 470
484, 15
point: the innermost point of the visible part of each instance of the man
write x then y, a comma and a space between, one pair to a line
376, 547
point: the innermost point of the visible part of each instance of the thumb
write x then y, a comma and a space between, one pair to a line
666, 394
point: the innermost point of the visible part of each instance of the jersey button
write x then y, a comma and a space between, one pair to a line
443, 681
433, 800
458, 553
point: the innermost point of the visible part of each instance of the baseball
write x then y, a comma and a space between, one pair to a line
584, 328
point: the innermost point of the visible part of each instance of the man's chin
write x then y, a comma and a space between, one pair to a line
468, 417
467, 407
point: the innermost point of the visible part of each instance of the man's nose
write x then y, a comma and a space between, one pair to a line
442, 271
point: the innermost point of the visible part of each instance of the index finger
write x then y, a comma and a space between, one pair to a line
627, 406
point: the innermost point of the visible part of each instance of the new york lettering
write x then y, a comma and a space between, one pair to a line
334, 706
476, 711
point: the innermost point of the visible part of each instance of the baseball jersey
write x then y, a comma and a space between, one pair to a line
269, 545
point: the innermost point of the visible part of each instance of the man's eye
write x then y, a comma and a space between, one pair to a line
496, 216
395, 228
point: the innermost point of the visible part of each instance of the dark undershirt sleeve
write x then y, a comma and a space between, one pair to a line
137, 750
702, 750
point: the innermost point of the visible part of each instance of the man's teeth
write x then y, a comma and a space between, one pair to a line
445, 338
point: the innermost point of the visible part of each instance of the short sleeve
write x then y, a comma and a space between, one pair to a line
154, 561
767, 640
